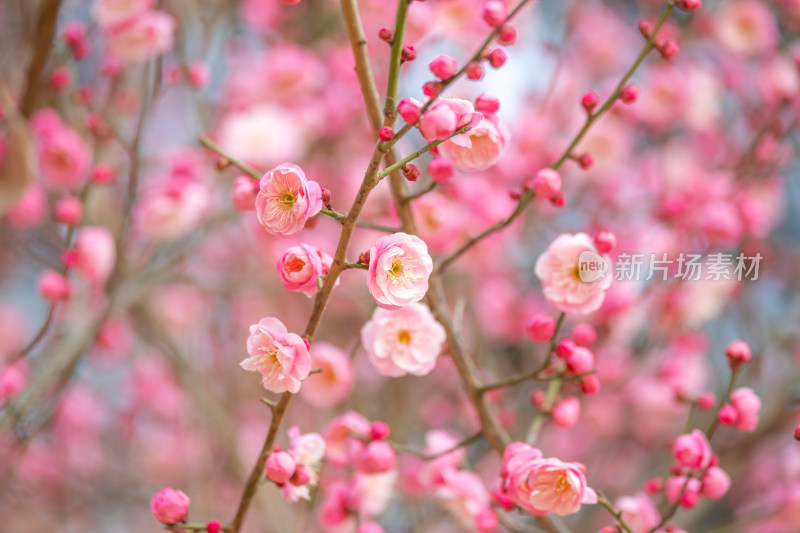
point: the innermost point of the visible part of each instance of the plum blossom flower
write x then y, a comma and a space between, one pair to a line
639, 512
63, 156
281, 357
301, 266
544, 485
109, 13
693, 450
342, 447
747, 404
307, 450
96, 253
746, 27
170, 506
480, 147
287, 200
406, 341
399, 268
558, 268
141, 38
172, 208
331, 386
464, 495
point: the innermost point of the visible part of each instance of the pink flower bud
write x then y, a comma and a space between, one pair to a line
199, 73
566, 412
486, 521
590, 384
409, 111
589, 101
443, 66
432, 89
653, 485
585, 160
706, 400
584, 334
497, 57
692, 450
280, 467
410, 172
301, 476
213, 527
546, 184
474, 71
102, 173
487, 103
668, 49
645, 29
408, 53
60, 78
728, 415
53, 286
290, 2
629, 94
244, 193
386, 134
438, 123
377, 457
440, 169
541, 328
580, 361
605, 241
565, 347
370, 527
327, 199
716, 483
559, 200
68, 210
690, 498
501, 498
507, 36
379, 430
738, 352
494, 13
13, 379
608, 529
170, 506
537, 398
689, 5
385, 34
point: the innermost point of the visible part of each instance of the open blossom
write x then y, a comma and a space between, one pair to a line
463, 494
96, 253
559, 270
171, 208
331, 386
405, 341
447, 115
170, 506
287, 200
143, 37
399, 268
639, 512
342, 447
479, 148
300, 267
307, 450
281, 357
746, 27
541, 485
693, 450
63, 156
747, 405
109, 13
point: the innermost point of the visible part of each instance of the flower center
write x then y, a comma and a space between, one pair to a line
294, 264
562, 483
400, 272
404, 337
268, 364
287, 199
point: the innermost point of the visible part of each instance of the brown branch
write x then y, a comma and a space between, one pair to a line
45, 31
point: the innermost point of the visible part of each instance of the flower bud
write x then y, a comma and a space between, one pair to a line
580, 361
497, 57
377, 457
494, 13
706, 400
301, 476
443, 66
170, 506
431, 89
668, 49
645, 29
68, 210
585, 160
653, 485
385, 34
379, 430
474, 71
541, 328
605, 241
629, 94
716, 483
738, 352
728, 415
408, 53
797, 433
565, 347
409, 111
440, 169
507, 36
386, 134
584, 334
589, 101
213, 527
102, 173
546, 184
566, 412
53, 286
410, 172
280, 467
487, 103
689, 5
590, 384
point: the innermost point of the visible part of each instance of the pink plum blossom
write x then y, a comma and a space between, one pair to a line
287, 200
405, 341
301, 266
693, 450
145, 36
335, 383
281, 357
399, 267
96, 253
480, 147
170, 506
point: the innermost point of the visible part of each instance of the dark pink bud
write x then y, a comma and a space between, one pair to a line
584, 334
507, 36
379, 430
565, 347
605, 241
706, 400
443, 66
494, 13
280, 467
668, 49
589, 101
432, 89
440, 169
646, 29
213, 527
629, 94
474, 71
797, 433
409, 111
546, 183
386, 134
410, 172
689, 5
54, 286
60, 78
537, 398
580, 361
102, 173
327, 199
68, 210
590, 384
559, 200
585, 160
377, 457
363, 258
728, 415
497, 57
541, 327
738, 352
653, 485
385, 34
301, 476
408, 53
487, 103
514, 194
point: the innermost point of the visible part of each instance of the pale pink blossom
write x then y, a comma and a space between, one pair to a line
679, 489
566, 412
480, 147
693, 450
281, 357
262, 135
341, 446
307, 451
639, 512
31, 208
463, 494
542, 486
170, 506
559, 269
716, 483
747, 405
143, 37
405, 341
96, 253
399, 267
746, 27
330, 387
112, 12
64, 157
301, 266
171, 208
287, 200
